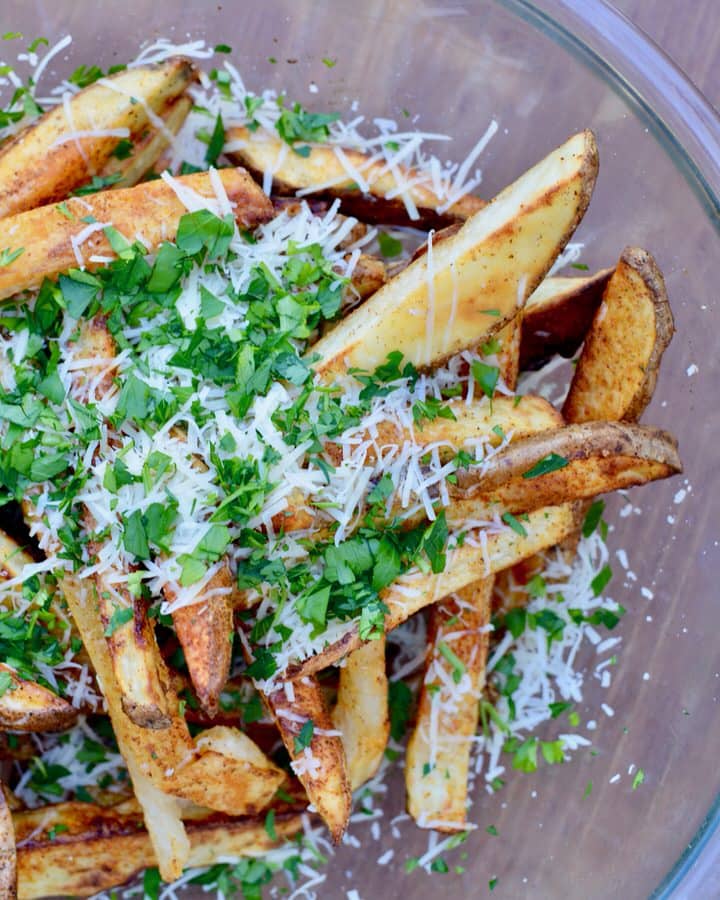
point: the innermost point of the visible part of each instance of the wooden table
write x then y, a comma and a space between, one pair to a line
687, 32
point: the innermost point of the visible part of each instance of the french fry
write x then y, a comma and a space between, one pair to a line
168, 761
438, 752
413, 592
205, 631
8, 859
152, 209
618, 368
323, 174
474, 421
448, 708
320, 764
558, 315
66, 145
475, 281
148, 147
27, 706
571, 463
102, 847
361, 711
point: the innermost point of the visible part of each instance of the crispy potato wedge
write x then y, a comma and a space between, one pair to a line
152, 209
217, 774
64, 147
8, 860
558, 315
618, 367
413, 592
104, 847
149, 146
321, 765
474, 282
472, 422
361, 711
584, 460
438, 752
205, 632
27, 706
323, 175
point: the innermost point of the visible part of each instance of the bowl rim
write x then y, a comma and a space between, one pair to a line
687, 127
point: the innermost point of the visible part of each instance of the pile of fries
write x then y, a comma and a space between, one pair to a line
202, 787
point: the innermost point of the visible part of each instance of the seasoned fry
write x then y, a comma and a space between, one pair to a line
438, 753
148, 147
68, 144
361, 711
571, 463
318, 758
618, 368
27, 706
479, 420
368, 276
52, 243
476, 280
229, 778
558, 315
8, 860
205, 631
411, 593
262, 151
103, 847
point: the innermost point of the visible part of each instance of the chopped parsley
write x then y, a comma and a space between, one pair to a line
550, 463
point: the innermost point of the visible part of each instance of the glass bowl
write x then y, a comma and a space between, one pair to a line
543, 70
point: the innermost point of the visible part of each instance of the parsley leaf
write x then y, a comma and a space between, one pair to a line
304, 738
550, 463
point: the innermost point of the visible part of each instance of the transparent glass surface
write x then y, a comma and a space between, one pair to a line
543, 71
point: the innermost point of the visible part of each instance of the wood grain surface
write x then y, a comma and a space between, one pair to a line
687, 32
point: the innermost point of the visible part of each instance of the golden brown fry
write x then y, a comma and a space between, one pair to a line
369, 275
27, 706
438, 753
411, 593
476, 280
151, 209
168, 761
45, 161
583, 460
320, 765
148, 146
479, 420
558, 315
205, 631
361, 711
262, 151
618, 368
8, 860
104, 847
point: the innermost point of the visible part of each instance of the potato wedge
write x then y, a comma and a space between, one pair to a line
320, 764
618, 368
217, 774
49, 239
361, 711
103, 847
27, 706
323, 175
148, 146
472, 422
413, 592
66, 145
558, 315
205, 632
571, 463
476, 280
438, 752
369, 275
8, 860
